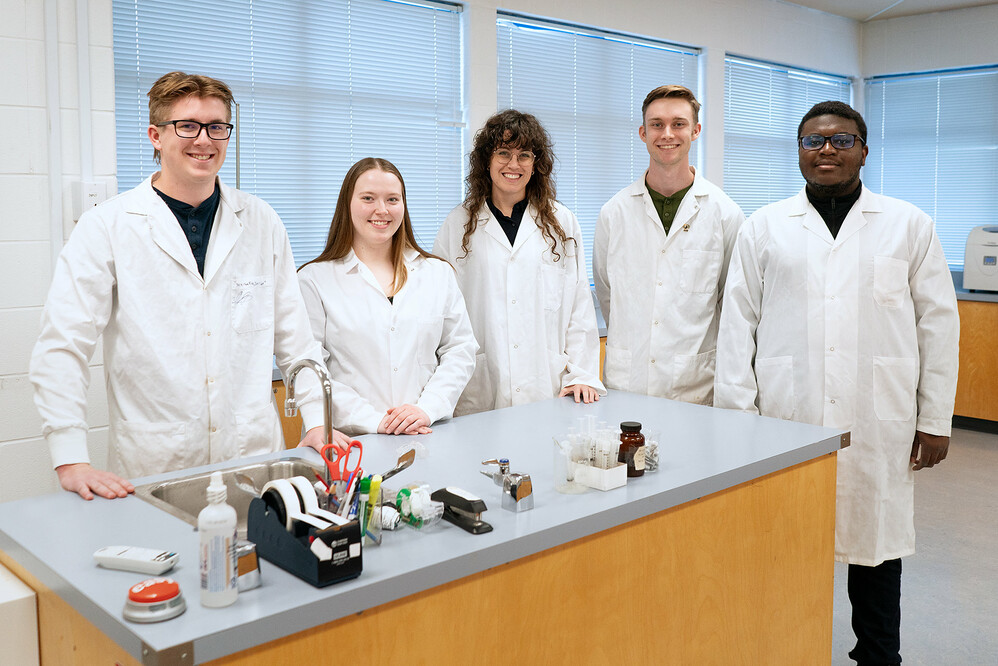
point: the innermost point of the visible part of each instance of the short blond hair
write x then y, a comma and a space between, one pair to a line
675, 91
178, 85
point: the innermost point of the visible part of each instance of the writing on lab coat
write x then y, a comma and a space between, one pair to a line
188, 360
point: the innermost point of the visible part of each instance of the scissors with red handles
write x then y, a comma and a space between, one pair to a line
337, 459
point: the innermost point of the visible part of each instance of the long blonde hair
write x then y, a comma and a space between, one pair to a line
340, 239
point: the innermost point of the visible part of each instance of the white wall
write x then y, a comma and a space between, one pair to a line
764, 29
958, 38
26, 171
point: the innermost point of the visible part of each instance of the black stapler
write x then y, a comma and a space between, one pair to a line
463, 509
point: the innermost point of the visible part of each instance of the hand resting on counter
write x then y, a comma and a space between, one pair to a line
85, 480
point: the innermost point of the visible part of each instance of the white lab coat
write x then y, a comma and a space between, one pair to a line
417, 349
533, 316
188, 361
859, 333
661, 295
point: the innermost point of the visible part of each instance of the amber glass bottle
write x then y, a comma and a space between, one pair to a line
632, 448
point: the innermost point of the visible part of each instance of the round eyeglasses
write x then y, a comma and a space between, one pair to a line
523, 157
840, 141
191, 129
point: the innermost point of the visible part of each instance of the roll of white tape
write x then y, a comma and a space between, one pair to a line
292, 504
310, 503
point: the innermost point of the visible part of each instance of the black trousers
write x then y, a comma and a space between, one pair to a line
875, 594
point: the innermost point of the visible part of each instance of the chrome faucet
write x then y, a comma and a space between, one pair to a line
291, 405
517, 489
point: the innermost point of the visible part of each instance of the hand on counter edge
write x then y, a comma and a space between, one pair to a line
316, 438
86, 481
587, 394
405, 420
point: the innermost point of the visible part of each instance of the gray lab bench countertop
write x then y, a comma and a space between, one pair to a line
703, 450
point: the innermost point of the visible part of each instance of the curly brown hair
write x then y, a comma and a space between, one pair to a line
517, 131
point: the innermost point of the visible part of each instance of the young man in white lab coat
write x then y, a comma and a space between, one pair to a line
659, 261
193, 286
840, 311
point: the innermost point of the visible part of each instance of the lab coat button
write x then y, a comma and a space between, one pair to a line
831, 349
653, 360
656, 322
832, 401
516, 346
214, 429
209, 334
518, 390
514, 301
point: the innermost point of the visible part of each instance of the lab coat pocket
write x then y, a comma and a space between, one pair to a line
252, 303
553, 286
700, 271
895, 382
617, 368
479, 395
693, 377
143, 448
775, 379
257, 431
890, 281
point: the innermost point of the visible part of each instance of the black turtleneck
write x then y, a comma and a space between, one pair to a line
833, 210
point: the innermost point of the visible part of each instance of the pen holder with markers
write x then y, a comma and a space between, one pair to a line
318, 556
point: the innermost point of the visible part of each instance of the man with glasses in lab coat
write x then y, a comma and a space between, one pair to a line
660, 257
192, 285
840, 311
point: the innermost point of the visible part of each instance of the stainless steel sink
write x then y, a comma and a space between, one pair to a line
186, 496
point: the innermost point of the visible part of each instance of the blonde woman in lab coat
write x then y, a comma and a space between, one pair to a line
521, 265
390, 317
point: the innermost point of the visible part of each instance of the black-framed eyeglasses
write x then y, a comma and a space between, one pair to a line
523, 157
191, 129
840, 141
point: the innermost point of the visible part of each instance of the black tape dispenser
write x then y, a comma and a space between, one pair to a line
463, 509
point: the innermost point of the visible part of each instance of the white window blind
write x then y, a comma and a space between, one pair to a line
763, 105
586, 88
319, 86
934, 143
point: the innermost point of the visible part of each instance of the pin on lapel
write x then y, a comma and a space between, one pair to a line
686, 227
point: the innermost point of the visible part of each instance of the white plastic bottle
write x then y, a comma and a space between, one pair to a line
217, 526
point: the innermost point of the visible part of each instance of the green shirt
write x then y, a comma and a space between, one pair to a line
667, 206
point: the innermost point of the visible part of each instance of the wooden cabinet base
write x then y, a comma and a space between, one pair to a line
743, 576
977, 388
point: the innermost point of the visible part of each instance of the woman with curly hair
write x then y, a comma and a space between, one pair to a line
390, 317
521, 266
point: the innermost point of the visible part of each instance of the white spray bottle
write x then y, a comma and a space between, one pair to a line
217, 527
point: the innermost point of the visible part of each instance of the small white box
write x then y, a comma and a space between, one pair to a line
18, 620
601, 479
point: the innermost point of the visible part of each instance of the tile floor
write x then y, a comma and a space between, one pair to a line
949, 587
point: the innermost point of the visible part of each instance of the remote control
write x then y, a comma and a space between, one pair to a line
138, 560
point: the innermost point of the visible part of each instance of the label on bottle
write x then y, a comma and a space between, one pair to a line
218, 563
639, 458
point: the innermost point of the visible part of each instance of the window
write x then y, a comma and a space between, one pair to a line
763, 105
586, 88
934, 143
319, 86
